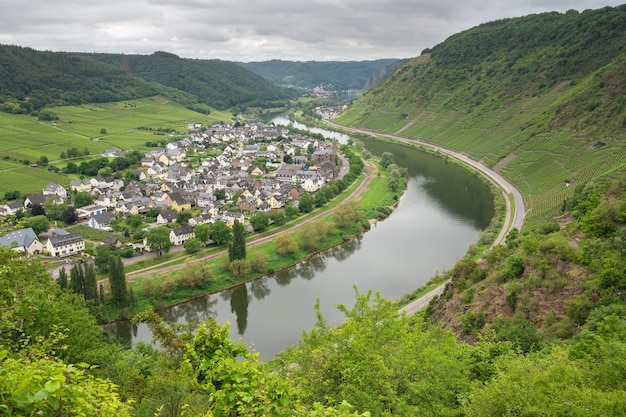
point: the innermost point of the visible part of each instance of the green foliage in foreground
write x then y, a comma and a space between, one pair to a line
379, 360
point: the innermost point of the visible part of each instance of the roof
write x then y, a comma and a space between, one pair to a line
103, 218
183, 230
23, 237
36, 198
67, 239
110, 240
169, 214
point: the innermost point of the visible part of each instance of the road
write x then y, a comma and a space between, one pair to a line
515, 211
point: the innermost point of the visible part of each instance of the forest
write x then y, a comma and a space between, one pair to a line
31, 80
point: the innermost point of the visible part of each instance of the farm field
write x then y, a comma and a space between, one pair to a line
128, 125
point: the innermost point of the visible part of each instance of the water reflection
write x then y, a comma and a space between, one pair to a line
449, 185
259, 288
192, 312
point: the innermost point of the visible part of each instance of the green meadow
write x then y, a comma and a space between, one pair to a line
128, 125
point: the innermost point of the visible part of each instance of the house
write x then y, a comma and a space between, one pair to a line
23, 240
101, 221
204, 218
181, 234
257, 171
52, 188
229, 217
80, 185
111, 240
88, 212
166, 216
10, 209
179, 203
65, 245
33, 199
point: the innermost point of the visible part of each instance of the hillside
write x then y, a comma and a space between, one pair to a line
30, 80
220, 84
538, 98
332, 76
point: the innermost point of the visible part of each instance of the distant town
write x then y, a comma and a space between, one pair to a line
253, 167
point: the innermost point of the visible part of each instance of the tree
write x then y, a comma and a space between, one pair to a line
192, 245
43, 160
221, 233
237, 248
291, 211
220, 194
258, 261
103, 252
37, 210
285, 245
91, 283
62, 280
39, 224
237, 267
117, 281
309, 237
374, 360
260, 221
77, 279
305, 205
158, 239
386, 159
12, 195
202, 232
69, 216
347, 214
46, 386
277, 217
183, 217
82, 199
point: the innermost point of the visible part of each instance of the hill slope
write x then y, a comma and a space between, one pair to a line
333, 76
538, 98
31, 79
220, 84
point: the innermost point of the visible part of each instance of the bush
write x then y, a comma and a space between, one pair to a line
471, 322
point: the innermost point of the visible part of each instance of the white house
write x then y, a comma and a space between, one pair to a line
52, 188
181, 234
101, 221
87, 212
65, 245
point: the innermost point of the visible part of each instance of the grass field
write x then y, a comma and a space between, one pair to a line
128, 125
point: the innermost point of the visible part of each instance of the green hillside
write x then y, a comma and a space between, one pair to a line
220, 84
333, 75
30, 80
538, 98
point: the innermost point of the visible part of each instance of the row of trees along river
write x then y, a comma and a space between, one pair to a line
440, 215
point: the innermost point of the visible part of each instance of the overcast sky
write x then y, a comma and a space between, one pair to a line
257, 30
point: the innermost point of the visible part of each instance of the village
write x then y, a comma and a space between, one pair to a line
261, 168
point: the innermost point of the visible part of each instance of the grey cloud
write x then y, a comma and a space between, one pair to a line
245, 30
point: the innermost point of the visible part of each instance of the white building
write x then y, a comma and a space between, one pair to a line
65, 245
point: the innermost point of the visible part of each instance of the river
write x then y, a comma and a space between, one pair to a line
440, 215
